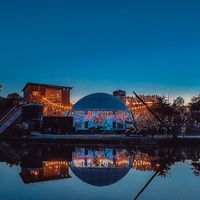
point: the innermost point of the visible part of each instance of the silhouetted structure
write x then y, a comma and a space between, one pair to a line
56, 99
102, 112
58, 125
36, 92
120, 93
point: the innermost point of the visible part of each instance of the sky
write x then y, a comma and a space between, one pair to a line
145, 46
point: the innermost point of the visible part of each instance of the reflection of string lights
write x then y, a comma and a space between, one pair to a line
34, 172
56, 163
157, 165
144, 162
52, 168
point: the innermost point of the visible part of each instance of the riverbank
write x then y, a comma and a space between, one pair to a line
136, 140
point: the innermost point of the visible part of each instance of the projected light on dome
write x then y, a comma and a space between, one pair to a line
101, 111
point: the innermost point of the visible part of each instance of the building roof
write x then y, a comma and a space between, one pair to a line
47, 85
100, 101
119, 90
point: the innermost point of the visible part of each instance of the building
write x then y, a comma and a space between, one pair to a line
120, 93
101, 111
56, 99
134, 103
45, 163
142, 116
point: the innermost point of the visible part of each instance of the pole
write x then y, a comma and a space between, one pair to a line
142, 190
155, 115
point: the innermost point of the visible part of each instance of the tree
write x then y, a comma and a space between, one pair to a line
178, 108
195, 103
14, 96
195, 107
178, 102
162, 108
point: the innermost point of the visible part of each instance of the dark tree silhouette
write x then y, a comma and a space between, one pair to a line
195, 107
178, 102
162, 108
14, 95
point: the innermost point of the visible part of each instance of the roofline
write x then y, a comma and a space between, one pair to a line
47, 85
119, 90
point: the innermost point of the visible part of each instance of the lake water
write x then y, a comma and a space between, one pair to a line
44, 171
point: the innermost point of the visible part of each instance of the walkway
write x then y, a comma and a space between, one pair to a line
102, 139
11, 118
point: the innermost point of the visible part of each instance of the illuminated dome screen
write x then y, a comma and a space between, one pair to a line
100, 167
101, 111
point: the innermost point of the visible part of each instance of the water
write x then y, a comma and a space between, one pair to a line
44, 171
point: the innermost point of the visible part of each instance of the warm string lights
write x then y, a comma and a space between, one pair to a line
144, 162
57, 105
55, 109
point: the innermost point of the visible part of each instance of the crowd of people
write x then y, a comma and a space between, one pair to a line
147, 124
54, 110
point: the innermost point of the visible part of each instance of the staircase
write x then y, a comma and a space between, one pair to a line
10, 118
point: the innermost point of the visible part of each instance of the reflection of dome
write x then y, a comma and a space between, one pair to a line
102, 111
100, 176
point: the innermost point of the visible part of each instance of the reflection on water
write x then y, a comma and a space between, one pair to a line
100, 166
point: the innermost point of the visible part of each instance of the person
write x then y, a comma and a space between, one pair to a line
183, 130
176, 130
49, 129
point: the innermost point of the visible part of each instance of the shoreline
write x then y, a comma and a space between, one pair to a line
121, 139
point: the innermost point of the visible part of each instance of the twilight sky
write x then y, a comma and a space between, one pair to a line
146, 46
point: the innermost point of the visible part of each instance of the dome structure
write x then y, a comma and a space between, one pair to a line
101, 111
100, 176
100, 166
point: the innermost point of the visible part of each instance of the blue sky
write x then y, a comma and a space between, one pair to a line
146, 46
